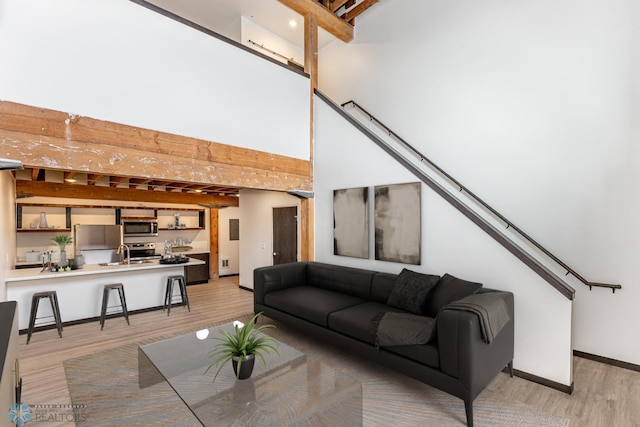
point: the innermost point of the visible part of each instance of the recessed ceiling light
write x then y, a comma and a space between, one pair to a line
293, 23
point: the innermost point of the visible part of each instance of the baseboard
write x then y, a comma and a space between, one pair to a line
607, 361
244, 288
228, 275
542, 381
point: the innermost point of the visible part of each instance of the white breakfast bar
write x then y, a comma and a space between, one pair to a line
80, 291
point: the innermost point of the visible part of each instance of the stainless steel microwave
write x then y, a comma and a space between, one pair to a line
139, 227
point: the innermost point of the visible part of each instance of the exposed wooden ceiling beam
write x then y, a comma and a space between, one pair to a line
53, 189
102, 150
92, 178
114, 181
139, 181
326, 20
366, 4
337, 4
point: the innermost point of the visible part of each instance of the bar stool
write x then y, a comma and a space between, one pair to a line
105, 301
168, 295
55, 308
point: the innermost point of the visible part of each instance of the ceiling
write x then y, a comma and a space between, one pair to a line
223, 17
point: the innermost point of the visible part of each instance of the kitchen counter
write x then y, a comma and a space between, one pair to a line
80, 291
90, 269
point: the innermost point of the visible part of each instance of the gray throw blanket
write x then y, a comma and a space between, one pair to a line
402, 329
491, 310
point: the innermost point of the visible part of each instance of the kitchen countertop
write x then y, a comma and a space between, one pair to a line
89, 269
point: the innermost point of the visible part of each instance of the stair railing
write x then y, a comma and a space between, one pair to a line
541, 270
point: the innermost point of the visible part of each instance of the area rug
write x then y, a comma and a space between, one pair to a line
104, 388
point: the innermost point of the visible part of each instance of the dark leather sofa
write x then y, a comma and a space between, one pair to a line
336, 304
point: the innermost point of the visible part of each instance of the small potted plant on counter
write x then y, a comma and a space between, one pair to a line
242, 347
62, 240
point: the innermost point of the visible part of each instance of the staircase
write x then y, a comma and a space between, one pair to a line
548, 266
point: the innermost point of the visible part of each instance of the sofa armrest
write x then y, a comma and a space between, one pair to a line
276, 277
463, 353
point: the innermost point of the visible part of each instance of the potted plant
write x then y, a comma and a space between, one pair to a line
62, 240
242, 347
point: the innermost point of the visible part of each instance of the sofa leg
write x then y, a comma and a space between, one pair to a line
468, 407
510, 366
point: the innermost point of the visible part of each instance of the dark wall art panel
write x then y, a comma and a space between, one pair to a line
351, 222
397, 223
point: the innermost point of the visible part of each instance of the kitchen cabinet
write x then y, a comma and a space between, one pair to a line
195, 274
59, 217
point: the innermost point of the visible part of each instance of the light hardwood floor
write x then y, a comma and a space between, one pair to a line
603, 396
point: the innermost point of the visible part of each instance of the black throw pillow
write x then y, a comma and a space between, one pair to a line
448, 290
411, 291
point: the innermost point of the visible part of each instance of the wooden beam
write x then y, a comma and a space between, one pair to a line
114, 181
74, 191
327, 20
34, 174
366, 4
214, 252
337, 4
92, 178
92, 158
306, 230
114, 136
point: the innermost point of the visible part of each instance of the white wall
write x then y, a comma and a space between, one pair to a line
256, 229
228, 248
450, 243
7, 227
257, 34
117, 61
532, 105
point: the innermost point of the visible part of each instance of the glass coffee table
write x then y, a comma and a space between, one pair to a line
293, 389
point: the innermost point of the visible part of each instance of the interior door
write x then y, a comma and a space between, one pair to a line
285, 235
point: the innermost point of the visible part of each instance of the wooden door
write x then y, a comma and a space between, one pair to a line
285, 235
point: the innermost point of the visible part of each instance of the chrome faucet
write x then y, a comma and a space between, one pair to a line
46, 261
121, 253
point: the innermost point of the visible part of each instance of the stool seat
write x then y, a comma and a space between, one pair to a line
169, 297
105, 302
52, 296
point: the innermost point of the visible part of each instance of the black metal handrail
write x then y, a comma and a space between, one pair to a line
461, 187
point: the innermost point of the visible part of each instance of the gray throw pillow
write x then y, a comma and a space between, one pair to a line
448, 290
411, 291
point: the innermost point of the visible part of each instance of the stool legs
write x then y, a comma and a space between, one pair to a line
52, 296
168, 295
32, 317
123, 301
105, 302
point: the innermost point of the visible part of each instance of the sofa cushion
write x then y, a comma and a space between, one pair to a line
346, 280
381, 287
309, 303
411, 291
449, 289
355, 321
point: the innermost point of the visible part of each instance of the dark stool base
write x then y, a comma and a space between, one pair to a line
35, 302
105, 300
168, 294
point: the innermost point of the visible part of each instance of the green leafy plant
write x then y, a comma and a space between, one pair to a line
62, 240
242, 343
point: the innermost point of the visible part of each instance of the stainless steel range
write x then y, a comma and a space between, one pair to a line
143, 250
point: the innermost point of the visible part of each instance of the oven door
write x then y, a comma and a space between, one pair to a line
139, 228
